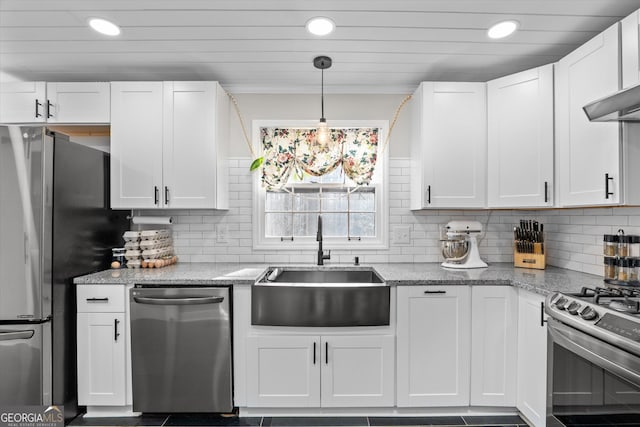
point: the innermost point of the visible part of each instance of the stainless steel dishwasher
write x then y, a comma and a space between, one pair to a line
181, 349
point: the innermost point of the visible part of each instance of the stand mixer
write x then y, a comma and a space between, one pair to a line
460, 245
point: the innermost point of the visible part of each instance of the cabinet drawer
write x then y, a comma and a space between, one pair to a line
100, 298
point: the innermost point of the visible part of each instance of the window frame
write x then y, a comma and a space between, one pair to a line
381, 184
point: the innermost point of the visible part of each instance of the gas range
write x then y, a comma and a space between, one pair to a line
611, 314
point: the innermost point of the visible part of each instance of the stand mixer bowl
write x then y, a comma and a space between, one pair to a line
454, 249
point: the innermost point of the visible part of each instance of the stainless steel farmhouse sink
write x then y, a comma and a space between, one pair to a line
287, 296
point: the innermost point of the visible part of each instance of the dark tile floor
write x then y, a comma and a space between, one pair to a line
151, 420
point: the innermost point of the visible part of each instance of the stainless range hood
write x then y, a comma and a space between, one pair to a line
622, 106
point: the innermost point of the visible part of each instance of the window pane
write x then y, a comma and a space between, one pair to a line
335, 177
362, 225
306, 200
305, 224
362, 201
280, 201
334, 224
277, 224
333, 200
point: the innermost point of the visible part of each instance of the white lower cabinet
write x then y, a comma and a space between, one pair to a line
101, 359
101, 348
433, 346
283, 371
532, 358
494, 317
314, 371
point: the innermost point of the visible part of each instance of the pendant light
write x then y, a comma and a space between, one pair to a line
322, 133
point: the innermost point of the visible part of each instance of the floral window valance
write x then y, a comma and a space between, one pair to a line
294, 150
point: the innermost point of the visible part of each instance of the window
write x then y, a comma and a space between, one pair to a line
352, 216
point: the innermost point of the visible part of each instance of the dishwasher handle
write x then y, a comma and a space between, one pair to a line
178, 301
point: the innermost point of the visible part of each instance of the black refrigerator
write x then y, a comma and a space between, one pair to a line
55, 224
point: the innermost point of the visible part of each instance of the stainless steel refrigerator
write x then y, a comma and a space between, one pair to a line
55, 224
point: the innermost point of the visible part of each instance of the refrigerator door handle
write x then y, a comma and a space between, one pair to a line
16, 335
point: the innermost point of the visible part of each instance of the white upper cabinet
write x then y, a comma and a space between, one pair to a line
136, 145
520, 133
168, 145
84, 102
23, 102
588, 153
449, 146
196, 124
40, 102
630, 49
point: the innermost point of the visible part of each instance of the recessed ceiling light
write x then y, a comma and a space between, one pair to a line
104, 27
320, 26
502, 29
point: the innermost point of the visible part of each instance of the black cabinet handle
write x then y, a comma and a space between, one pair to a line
156, 195
326, 352
49, 105
607, 193
314, 352
428, 194
546, 191
97, 299
166, 195
542, 319
37, 109
116, 334
435, 292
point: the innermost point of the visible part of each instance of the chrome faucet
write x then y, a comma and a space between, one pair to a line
321, 254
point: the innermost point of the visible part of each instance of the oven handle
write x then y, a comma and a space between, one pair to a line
598, 352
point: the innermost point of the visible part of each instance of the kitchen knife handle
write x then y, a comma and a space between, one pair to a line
428, 194
116, 334
546, 192
37, 109
166, 195
156, 194
607, 178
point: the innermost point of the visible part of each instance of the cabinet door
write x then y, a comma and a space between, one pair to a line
78, 102
454, 132
588, 153
494, 311
357, 371
520, 129
101, 359
190, 144
433, 346
136, 144
23, 102
283, 371
532, 359
630, 49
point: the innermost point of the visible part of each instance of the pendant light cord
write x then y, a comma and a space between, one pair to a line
242, 126
322, 93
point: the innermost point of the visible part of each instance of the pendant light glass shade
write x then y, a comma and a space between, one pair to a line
322, 133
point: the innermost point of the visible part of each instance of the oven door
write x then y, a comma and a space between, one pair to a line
590, 381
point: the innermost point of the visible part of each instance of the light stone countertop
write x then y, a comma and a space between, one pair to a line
197, 274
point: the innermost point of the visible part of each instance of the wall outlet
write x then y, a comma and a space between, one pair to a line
401, 235
222, 233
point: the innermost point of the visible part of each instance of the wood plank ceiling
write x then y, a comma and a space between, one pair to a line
261, 46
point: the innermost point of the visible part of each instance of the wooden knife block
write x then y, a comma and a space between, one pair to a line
535, 260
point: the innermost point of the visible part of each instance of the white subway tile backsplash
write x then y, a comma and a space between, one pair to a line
573, 236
